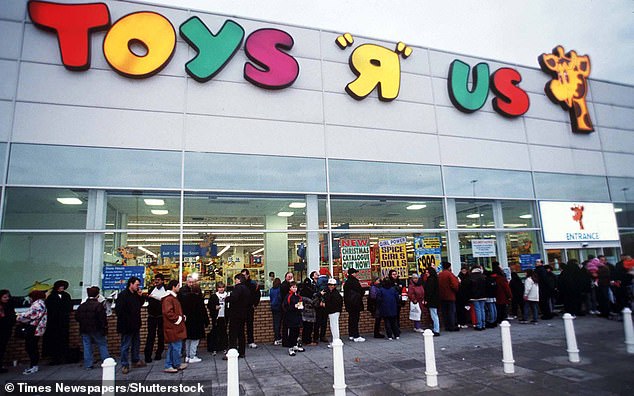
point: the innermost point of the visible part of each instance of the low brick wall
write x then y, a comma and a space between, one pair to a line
263, 331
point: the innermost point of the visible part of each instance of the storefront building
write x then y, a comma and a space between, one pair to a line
178, 142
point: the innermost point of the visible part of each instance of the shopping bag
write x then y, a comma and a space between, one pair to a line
414, 311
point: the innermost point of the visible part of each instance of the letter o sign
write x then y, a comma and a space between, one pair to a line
147, 30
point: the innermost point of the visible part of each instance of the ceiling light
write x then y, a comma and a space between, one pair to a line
474, 215
285, 214
297, 205
526, 216
416, 207
154, 202
224, 250
159, 212
618, 210
151, 253
257, 251
70, 201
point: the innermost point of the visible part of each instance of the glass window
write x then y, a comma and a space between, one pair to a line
254, 172
349, 213
489, 183
384, 178
621, 189
559, 186
36, 260
474, 214
518, 214
248, 212
45, 208
470, 257
142, 209
624, 214
3, 156
519, 243
91, 166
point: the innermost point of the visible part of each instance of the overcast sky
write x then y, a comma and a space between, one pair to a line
515, 31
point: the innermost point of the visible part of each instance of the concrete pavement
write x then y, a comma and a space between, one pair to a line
468, 362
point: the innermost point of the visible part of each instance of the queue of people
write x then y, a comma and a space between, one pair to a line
302, 311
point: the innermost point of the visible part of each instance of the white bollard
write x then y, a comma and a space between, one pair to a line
629, 330
337, 359
507, 348
233, 373
430, 359
107, 376
571, 339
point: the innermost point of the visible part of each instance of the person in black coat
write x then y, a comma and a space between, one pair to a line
155, 320
197, 320
333, 304
217, 341
239, 302
353, 299
58, 307
254, 288
292, 305
7, 320
128, 308
517, 298
432, 298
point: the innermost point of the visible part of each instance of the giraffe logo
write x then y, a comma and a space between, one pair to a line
375, 67
569, 85
578, 215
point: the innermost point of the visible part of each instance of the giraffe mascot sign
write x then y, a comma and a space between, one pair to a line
569, 85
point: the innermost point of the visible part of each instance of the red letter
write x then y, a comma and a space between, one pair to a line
511, 101
279, 69
73, 24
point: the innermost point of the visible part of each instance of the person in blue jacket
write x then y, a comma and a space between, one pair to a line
276, 310
387, 299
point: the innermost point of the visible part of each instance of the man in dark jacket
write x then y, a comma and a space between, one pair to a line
128, 308
93, 326
546, 290
239, 304
353, 299
477, 287
155, 320
254, 290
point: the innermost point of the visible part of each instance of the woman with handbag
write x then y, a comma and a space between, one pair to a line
416, 295
32, 325
7, 320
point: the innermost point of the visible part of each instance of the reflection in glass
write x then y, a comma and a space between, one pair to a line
387, 213
561, 187
474, 214
518, 214
45, 208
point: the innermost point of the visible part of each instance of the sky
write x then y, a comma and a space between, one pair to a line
515, 31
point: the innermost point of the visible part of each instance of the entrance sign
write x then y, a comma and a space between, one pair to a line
578, 222
483, 247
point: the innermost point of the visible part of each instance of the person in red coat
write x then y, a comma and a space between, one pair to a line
416, 295
173, 328
503, 292
448, 285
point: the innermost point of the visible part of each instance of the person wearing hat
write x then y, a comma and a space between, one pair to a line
353, 299
58, 307
333, 304
93, 326
319, 331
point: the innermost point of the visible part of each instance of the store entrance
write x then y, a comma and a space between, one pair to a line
558, 256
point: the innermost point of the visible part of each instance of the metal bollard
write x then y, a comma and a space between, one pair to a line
340, 376
571, 339
233, 373
629, 330
507, 348
107, 376
430, 359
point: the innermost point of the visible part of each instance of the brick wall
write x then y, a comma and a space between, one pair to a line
263, 331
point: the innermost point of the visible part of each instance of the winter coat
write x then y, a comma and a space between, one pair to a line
91, 316
462, 297
7, 318
333, 301
372, 306
197, 319
308, 313
387, 300
154, 308
254, 289
292, 315
58, 309
173, 321
517, 288
503, 292
491, 287
477, 285
36, 316
275, 299
353, 295
531, 290
432, 296
447, 285
128, 310
239, 301
416, 293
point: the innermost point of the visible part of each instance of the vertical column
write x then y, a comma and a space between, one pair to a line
453, 247
276, 246
500, 237
93, 245
312, 223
